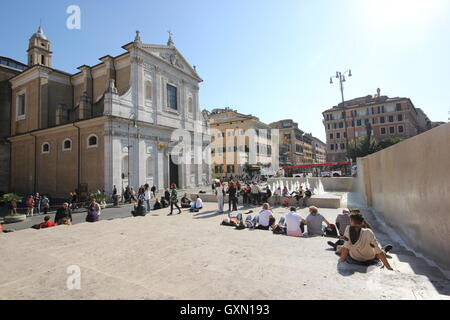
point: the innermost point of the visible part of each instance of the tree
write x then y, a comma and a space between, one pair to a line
365, 145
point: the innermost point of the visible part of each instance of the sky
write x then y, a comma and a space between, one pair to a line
272, 59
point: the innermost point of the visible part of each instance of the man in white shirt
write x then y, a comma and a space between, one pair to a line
198, 205
293, 221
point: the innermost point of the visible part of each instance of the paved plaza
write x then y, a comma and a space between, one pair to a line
190, 256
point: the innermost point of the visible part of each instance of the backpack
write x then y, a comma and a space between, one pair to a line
331, 231
279, 229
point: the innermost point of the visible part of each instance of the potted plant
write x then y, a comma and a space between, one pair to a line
100, 197
10, 199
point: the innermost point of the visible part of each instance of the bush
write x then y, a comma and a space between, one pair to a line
99, 197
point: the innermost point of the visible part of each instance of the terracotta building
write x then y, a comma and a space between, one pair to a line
109, 124
8, 69
383, 116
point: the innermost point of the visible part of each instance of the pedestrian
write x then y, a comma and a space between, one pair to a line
30, 206
37, 203
94, 211
74, 200
232, 199
147, 197
45, 204
154, 191
220, 193
277, 196
63, 215
13, 207
115, 197
174, 199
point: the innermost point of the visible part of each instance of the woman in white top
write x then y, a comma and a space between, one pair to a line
360, 244
219, 194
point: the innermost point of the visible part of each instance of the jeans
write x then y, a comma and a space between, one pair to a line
147, 202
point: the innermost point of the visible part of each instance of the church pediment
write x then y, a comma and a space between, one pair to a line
172, 56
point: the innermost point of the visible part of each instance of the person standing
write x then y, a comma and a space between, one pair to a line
74, 200
220, 195
94, 211
277, 196
30, 206
115, 197
232, 200
37, 203
63, 215
147, 197
255, 194
45, 204
174, 199
153, 190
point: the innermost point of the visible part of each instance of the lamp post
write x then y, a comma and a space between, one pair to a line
132, 116
341, 77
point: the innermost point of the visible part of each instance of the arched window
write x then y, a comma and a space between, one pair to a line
92, 141
150, 167
67, 145
190, 105
45, 147
148, 90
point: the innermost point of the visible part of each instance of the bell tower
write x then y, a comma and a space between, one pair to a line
39, 52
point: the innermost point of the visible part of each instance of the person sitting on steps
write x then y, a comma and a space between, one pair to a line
185, 201
265, 218
139, 209
360, 245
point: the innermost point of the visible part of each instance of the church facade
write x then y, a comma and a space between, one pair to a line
109, 124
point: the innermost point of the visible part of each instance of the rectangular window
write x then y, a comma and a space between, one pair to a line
374, 120
21, 107
398, 106
383, 130
391, 118
341, 125
334, 126
342, 146
345, 134
358, 123
332, 147
331, 136
391, 130
381, 119
172, 102
400, 117
390, 109
328, 126
400, 129
338, 135
382, 109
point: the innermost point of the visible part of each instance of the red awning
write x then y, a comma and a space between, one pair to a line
329, 164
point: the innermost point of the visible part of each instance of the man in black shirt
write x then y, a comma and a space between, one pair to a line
63, 214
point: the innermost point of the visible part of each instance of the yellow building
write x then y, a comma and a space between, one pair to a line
241, 145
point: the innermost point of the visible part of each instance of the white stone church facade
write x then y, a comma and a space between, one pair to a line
110, 124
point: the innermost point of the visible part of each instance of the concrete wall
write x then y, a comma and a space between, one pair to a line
409, 185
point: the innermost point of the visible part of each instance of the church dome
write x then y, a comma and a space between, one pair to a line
40, 34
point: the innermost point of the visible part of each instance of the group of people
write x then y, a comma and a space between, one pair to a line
33, 203
170, 198
356, 242
253, 194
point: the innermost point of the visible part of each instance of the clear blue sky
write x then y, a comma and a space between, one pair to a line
272, 58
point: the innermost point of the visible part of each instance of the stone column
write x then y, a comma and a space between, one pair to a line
85, 107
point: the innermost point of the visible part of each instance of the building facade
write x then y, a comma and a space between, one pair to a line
8, 69
385, 117
115, 123
232, 136
297, 147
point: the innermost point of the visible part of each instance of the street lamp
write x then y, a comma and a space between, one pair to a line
341, 77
